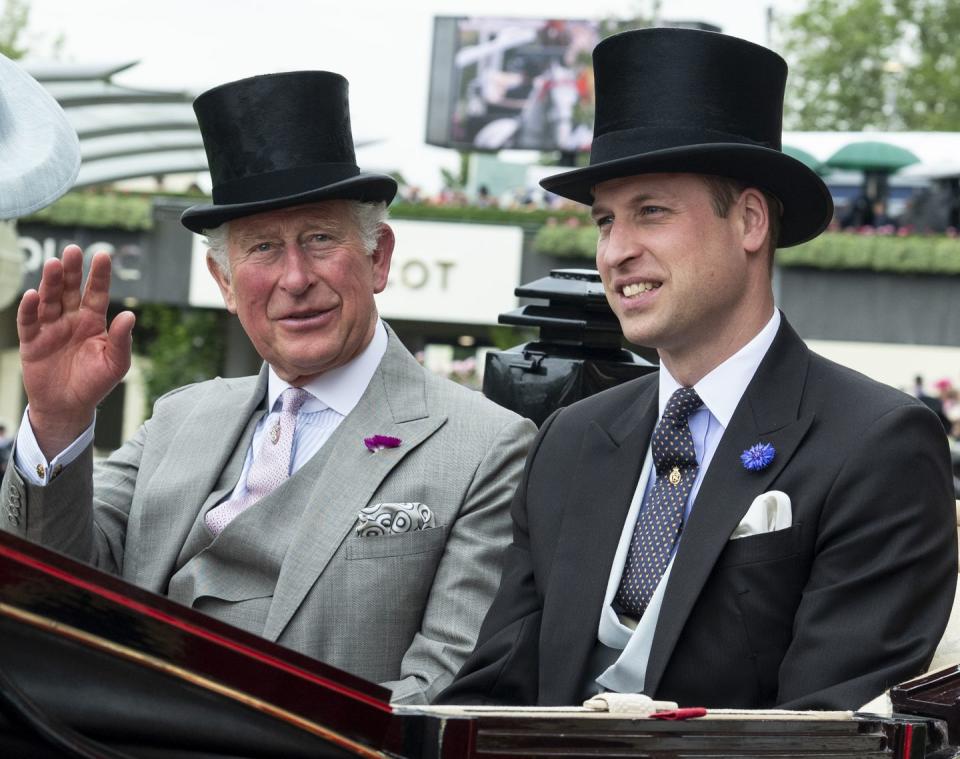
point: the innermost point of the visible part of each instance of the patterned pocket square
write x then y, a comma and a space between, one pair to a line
392, 518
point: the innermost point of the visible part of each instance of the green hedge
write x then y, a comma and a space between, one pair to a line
916, 254
88, 209
534, 217
133, 211
565, 241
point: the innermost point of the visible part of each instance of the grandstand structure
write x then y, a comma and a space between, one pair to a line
125, 133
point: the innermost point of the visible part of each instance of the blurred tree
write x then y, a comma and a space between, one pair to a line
873, 64
644, 13
184, 345
459, 180
13, 22
842, 72
930, 90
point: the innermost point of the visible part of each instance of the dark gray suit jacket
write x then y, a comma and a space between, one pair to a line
826, 614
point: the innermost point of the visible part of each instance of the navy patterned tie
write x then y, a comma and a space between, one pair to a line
661, 518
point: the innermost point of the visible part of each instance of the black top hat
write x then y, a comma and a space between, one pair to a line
683, 100
277, 141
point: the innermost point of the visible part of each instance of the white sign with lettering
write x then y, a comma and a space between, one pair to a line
452, 272
441, 272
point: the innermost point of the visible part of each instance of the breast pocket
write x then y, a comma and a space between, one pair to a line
768, 546
764, 575
391, 576
401, 544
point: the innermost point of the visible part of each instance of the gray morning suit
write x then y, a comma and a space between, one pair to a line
399, 609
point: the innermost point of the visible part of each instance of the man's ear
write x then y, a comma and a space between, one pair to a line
223, 282
381, 257
755, 216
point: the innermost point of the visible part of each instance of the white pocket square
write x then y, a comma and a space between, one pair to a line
769, 512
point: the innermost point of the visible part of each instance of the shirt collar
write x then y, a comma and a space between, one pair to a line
340, 388
722, 388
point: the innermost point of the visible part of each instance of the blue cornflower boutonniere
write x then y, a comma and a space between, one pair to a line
758, 457
379, 442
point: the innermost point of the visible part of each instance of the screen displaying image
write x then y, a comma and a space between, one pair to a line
501, 83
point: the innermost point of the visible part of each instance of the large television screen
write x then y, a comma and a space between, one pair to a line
512, 83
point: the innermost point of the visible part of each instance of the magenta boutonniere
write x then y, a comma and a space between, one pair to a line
379, 442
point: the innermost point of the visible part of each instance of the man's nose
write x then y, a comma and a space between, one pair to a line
620, 245
297, 273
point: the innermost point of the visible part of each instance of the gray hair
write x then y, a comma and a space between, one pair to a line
368, 218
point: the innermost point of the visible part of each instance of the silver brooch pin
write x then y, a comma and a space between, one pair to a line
275, 433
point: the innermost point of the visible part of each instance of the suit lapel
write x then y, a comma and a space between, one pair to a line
769, 413
197, 465
394, 404
609, 466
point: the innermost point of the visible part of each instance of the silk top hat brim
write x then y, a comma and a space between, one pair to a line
39, 150
277, 141
688, 101
361, 186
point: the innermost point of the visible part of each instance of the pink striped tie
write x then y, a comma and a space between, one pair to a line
271, 465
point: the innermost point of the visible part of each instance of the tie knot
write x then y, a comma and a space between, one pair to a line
682, 403
292, 399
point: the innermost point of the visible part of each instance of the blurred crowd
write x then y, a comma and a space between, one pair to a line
943, 398
928, 210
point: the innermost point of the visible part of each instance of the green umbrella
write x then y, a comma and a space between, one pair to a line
881, 157
805, 158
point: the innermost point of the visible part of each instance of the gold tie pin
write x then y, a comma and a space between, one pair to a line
675, 476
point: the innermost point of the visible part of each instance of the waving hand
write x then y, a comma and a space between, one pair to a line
70, 359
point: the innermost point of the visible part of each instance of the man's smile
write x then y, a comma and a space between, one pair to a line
306, 317
636, 288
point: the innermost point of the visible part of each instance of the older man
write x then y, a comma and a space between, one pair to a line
345, 502
754, 526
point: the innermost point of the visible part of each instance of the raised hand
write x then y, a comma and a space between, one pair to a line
70, 360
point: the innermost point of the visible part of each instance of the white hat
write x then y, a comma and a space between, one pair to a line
39, 150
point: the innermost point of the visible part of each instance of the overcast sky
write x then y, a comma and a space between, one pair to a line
383, 48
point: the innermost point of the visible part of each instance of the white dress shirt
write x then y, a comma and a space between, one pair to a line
720, 391
334, 395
